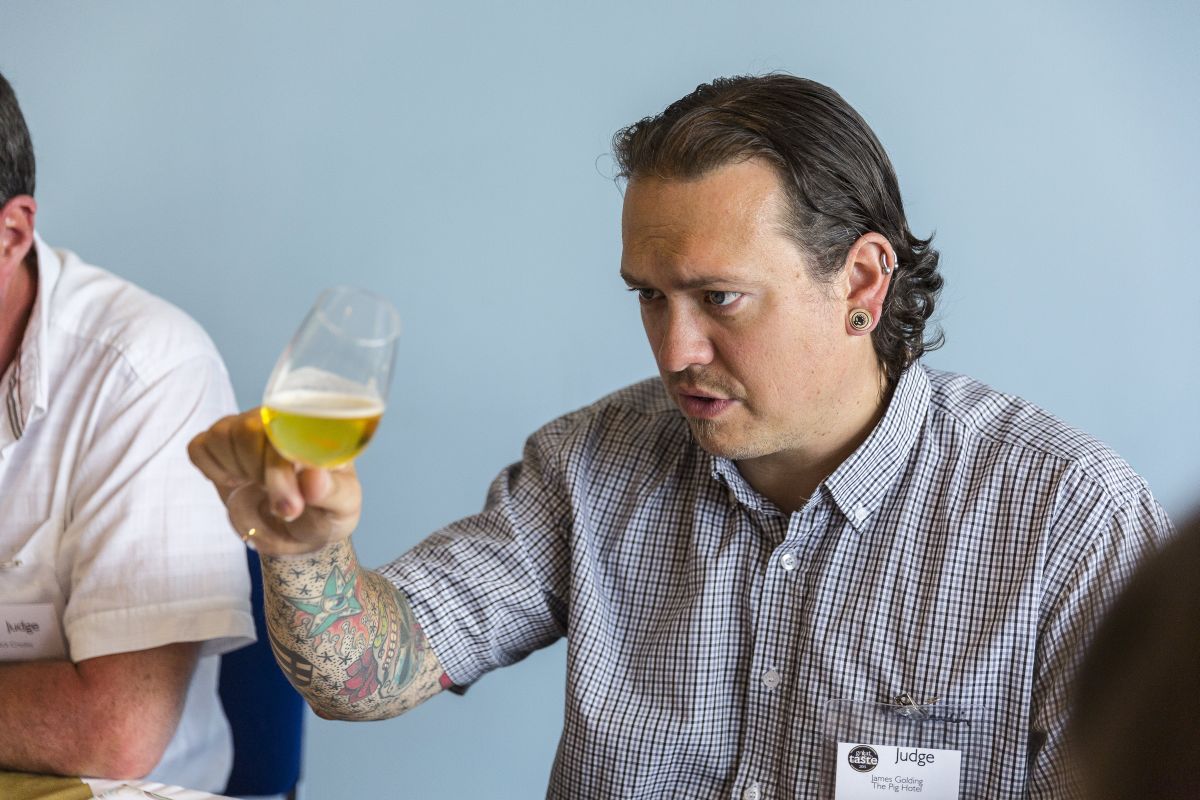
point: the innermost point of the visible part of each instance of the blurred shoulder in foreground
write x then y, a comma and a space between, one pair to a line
1137, 711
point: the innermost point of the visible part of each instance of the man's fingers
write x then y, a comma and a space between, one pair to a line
204, 461
315, 485
249, 444
235, 452
268, 494
245, 512
213, 454
283, 488
336, 491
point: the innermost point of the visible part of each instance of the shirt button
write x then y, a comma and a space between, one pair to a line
789, 562
770, 678
752, 792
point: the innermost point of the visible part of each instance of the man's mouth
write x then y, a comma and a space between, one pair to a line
700, 404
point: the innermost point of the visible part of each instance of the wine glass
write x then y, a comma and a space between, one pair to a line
329, 388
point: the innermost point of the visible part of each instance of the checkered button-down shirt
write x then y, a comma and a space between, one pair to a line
720, 648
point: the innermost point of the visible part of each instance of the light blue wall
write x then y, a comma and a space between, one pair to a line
238, 157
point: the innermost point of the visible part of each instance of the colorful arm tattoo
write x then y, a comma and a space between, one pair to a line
345, 637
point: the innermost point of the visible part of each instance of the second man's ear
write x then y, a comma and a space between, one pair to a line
869, 265
16, 230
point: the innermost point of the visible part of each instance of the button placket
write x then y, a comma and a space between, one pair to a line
758, 757
802, 537
793, 539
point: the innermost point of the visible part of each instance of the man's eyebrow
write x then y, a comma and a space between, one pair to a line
697, 282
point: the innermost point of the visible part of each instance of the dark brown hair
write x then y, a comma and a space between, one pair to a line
838, 178
1136, 721
16, 150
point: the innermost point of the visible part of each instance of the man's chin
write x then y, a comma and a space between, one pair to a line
716, 440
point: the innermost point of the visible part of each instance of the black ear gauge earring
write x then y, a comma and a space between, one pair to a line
860, 319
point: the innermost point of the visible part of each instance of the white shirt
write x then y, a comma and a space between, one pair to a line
101, 513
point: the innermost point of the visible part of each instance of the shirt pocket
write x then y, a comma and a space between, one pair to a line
935, 751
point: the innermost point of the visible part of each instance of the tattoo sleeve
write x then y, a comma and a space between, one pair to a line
345, 636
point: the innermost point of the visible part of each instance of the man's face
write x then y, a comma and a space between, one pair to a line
754, 353
16, 240
11, 255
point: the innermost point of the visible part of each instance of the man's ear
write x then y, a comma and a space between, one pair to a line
867, 274
16, 231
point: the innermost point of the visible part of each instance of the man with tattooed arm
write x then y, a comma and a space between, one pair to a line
792, 540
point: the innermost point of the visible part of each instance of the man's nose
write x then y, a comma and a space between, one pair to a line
684, 341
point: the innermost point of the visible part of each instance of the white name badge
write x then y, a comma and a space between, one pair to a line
881, 770
30, 631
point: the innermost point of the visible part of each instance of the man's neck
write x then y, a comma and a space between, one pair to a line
789, 478
16, 306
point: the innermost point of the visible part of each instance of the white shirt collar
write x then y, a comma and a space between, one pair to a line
25, 387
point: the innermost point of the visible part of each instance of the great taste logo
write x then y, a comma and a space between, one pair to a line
863, 758
28, 628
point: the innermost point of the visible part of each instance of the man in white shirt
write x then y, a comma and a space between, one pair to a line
119, 583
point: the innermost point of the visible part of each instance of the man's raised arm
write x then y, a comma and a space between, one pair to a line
344, 636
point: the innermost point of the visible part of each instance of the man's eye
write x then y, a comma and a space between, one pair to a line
644, 295
721, 298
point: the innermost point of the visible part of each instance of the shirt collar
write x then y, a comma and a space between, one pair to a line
26, 386
859, 484
726, 472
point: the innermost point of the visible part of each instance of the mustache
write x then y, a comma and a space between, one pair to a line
698, 380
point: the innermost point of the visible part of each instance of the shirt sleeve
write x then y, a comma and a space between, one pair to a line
152, 558
1098, 545
490, 589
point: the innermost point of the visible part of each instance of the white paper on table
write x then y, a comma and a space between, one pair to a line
141, 790
124, 792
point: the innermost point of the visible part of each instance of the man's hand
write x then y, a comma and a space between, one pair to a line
290, 509
297, 511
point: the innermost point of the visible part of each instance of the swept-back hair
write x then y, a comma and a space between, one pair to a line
838, 178
16, 150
